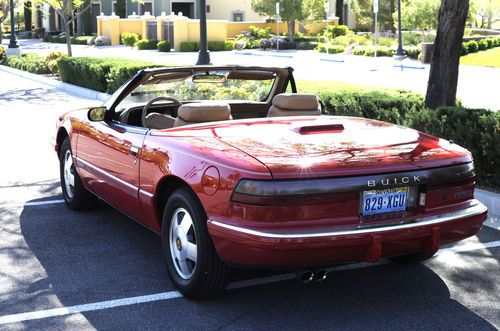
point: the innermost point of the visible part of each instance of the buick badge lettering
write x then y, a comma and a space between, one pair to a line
394, 181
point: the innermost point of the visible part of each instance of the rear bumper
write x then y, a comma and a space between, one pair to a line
281, 248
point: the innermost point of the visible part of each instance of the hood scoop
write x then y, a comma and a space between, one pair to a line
318, 129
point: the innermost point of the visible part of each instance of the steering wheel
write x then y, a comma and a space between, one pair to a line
151, 102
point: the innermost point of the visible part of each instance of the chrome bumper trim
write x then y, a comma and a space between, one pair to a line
415, 222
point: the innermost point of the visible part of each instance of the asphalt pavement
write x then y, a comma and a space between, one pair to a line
61, 269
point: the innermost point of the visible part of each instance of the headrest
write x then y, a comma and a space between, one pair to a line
205, 112
295, 101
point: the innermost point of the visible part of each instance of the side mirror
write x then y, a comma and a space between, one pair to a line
97, 114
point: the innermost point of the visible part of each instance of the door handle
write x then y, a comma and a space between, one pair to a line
134, 150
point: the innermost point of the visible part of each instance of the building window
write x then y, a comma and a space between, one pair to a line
145, 7
238, 16
208, 8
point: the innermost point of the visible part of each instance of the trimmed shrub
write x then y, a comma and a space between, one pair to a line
119, 74
332, 49
129, 39
306, 45
30, 63
79, 40
478, 130
229, 45
51, 62
370, 51
94, 73
482, 44
189, 46
216, 46
472, 46
490, 42
3, 56
413, 52
465, 49
147, 44
339, 30
260, 33
164, 46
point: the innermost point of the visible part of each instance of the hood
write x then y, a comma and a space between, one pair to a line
332, 146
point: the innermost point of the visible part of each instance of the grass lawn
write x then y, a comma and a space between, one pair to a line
488, 58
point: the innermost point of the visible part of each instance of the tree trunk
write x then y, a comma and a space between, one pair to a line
291, 29
443, 77
339, 10
79, 22
68, 37
392, 7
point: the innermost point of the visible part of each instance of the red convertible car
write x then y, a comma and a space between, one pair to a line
232, 171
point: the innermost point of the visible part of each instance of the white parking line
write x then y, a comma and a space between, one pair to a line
32, 204
34, 315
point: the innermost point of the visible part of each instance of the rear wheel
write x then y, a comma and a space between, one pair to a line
192, 263
75, 194
412, 258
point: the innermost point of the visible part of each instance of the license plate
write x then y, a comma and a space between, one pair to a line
384, 201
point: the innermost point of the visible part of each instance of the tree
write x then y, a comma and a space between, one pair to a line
290, 10
486, 10
419, 14
443, 77
69, 11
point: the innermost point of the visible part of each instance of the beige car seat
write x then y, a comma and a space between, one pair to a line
294, 104
193, 113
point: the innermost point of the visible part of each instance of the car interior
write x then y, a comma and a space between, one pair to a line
209, 96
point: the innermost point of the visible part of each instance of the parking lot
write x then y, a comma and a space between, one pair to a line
61, 269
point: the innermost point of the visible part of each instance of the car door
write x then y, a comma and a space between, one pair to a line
108, 155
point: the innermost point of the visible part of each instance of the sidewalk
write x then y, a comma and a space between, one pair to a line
477, 86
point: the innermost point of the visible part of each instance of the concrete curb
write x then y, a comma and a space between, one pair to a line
492, 201
70, 88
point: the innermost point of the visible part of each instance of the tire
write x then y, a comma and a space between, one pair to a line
411, 258
74, 193
190, 257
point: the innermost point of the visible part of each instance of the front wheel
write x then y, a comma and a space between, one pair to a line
192, 263
75, 194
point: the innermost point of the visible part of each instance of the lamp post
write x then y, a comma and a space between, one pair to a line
327, 11
400, 52
13, 42
203, 54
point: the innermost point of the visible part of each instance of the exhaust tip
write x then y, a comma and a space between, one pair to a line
320, 275
305, 276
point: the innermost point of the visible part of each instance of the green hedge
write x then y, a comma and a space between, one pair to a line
100, 74
3, 57
189, 46
216, 46
129, 39
80, 40
30, 63
478, 130
147, 44
164, 46
332, 49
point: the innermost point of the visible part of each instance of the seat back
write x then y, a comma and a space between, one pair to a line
159, 121
294, 104
193, 113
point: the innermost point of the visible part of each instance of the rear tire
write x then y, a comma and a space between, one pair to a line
190, 257
75, 194
411, 258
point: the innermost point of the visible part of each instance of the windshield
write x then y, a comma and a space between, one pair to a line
231, 85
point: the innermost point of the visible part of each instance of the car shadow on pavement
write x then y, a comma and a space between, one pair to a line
102, 255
